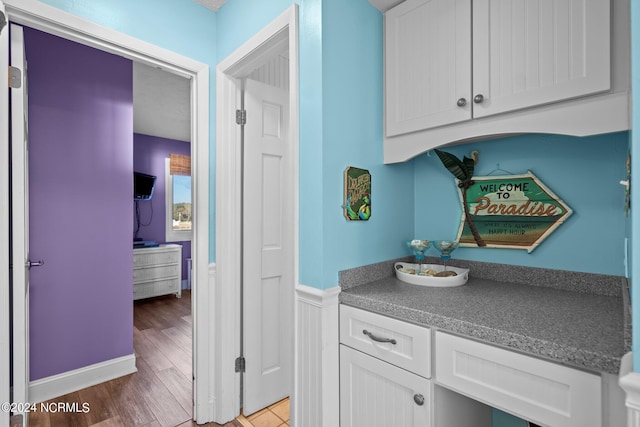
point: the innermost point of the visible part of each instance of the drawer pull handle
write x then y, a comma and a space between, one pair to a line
378, 339
419, 399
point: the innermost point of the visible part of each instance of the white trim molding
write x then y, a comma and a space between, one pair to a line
226, 297
630, 383
316, 400
5, 322
67, 382
204, 410
52, 20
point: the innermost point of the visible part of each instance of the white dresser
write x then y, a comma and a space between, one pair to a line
157, 271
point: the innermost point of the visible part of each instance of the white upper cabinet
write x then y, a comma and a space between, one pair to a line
427, 64
532, 52
461, 70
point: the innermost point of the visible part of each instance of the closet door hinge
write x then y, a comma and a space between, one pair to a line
241, 117
15, 77
240, 364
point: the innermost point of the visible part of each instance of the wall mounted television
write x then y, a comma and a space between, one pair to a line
143, 186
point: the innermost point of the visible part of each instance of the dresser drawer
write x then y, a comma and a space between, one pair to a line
534, 389
160, 287
142, 259
400, 343
155, 273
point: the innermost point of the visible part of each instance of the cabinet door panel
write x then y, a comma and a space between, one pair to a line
532, 52
427, 64
374, 393
544, 392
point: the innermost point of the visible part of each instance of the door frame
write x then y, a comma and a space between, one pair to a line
5, 321
280, 33
54, 21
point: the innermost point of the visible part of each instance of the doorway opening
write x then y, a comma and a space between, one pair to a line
251, 271
55, 21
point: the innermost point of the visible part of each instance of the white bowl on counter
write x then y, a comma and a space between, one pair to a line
404, 269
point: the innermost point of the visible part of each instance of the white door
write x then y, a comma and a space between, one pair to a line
267, 254
374, 393
4, 216
427, 64
20, 220
527, 53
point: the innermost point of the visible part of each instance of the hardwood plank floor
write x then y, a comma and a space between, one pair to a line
159, 394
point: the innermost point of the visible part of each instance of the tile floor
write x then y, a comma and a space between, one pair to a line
276, 415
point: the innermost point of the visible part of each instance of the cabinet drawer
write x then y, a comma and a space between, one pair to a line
411, 346
375, 393
534, 389
160, 287
155, 273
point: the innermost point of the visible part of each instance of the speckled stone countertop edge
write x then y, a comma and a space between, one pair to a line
551, 351
599, 284
626, 306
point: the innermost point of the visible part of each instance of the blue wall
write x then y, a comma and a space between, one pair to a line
340, 126
584, 172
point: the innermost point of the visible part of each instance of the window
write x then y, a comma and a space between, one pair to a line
178, 198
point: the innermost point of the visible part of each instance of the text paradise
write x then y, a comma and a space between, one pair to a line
521, 209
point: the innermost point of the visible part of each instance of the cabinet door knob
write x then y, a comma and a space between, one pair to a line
419, 399
461, 102
478, 98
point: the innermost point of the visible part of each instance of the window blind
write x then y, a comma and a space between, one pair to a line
179, 164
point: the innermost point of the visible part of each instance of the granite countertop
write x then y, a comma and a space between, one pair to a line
585, 329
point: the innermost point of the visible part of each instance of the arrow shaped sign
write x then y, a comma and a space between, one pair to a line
510, 211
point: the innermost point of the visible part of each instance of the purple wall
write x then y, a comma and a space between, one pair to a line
149, 153
81, 164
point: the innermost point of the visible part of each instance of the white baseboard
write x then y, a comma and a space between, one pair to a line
58, 385
317, 377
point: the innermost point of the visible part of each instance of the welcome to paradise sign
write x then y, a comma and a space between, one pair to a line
510, 211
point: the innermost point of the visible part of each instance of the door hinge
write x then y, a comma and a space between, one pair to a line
240, 364
241, 117
15, 78
3, 21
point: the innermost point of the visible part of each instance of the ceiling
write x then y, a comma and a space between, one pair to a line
384, 5
211, 4
161, 103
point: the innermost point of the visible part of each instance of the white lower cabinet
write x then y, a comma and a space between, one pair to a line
389, 378
374, 393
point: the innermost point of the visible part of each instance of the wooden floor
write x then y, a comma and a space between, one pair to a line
159, 394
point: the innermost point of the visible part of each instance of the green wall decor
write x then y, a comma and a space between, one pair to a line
357, 193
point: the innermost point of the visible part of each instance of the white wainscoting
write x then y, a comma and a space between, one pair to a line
630, 383
316, 399
67, 382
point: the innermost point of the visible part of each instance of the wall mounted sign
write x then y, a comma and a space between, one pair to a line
510, 211
357, 194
